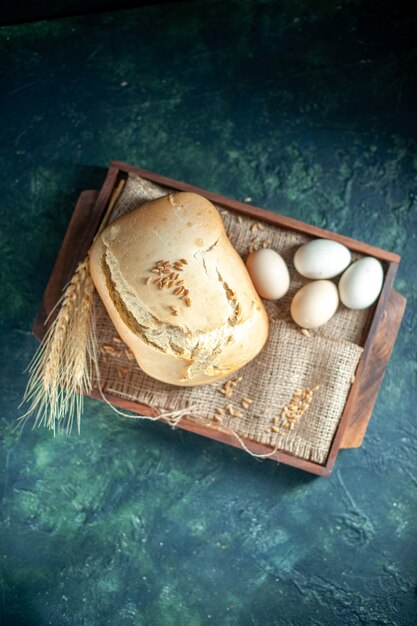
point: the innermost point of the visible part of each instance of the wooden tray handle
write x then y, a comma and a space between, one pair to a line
373, 371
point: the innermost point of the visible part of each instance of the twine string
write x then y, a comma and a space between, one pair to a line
174, 418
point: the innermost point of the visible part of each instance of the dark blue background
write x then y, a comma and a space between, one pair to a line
309, 107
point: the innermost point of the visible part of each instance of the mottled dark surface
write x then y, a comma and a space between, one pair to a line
310, 109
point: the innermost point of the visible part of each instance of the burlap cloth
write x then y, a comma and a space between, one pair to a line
289, 361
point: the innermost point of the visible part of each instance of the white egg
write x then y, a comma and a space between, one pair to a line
269, 273
314, 304
321, 258
361, 284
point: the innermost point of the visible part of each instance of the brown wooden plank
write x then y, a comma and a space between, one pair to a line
74, 247
373, 372
263, 214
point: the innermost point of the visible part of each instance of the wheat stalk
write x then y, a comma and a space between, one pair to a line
61, 371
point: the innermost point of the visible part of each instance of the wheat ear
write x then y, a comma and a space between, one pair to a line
61, 371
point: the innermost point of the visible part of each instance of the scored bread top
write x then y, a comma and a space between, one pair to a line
175, 228
189, 338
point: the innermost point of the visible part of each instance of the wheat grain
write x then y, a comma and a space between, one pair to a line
295, 409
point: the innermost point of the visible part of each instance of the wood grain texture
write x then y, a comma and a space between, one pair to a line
373, 371
86, 218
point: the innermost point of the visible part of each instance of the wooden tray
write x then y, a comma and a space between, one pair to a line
378, 343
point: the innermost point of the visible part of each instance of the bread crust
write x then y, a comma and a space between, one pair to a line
223, 325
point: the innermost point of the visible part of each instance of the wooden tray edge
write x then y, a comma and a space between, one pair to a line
374, 370
260, 213
216, 433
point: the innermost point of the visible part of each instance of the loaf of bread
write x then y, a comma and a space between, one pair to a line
177, 291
